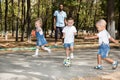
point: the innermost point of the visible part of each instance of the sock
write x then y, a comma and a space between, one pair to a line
114, 62
36, 52
99, 65
68, 57
47, 49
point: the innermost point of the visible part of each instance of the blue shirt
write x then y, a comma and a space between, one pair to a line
60, 17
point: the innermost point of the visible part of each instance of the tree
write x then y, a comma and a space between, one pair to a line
1, 15
78, 10
38, 14
6, 14
28, 20
23, 20
19, 14
13, 28
17, 26
53, 9
119, 18
110, 17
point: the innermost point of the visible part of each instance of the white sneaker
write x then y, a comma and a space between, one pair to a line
68, 57
49, 51
71, 56
34, 55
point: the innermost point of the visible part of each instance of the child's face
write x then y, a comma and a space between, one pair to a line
37, 24
70, 22
100, 28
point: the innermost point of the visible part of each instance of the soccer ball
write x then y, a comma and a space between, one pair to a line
66, 62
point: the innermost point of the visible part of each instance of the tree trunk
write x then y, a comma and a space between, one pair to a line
18, 20
1, 16
23, 20
77, 21
45, 23
28, 21
119, 21
38, 15
110, 18
95, 16
6, 13
13, 28
52, 28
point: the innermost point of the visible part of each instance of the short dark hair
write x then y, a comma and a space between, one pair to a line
70, 18
61, 4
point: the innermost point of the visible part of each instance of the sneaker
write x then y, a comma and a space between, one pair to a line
34, 55
68, 58
71, 56
114, 65
49, 51
98, 67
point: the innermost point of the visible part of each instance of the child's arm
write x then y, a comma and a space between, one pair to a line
63, 35
38, 30
113, 40
91, 37
75, 33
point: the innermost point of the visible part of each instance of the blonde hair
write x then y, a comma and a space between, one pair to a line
39, 20
101, 23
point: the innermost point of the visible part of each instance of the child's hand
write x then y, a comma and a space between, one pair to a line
116, 41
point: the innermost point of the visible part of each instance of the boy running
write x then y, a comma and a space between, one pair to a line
104, 48
68, 34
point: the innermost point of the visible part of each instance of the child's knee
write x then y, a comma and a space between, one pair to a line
43, 47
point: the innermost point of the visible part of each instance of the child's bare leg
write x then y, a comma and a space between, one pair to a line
45, 48
114, 63
36, 51
67, 52
109, 60
72, 49
99, 60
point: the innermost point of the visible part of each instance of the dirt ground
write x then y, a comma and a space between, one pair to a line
9, 45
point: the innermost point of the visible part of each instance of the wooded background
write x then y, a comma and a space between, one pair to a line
17, 16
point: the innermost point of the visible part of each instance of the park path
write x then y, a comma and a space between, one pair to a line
21, 66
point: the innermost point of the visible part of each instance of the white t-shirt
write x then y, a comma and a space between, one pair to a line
69, 34
103, 37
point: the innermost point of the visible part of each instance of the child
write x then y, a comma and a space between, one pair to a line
104, 48
68, 34
41, 41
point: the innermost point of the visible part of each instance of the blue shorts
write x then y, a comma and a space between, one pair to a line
68, 45
104, 50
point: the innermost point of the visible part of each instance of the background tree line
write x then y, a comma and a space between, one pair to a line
17, 16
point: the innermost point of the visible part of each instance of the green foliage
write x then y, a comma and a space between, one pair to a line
88, 11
